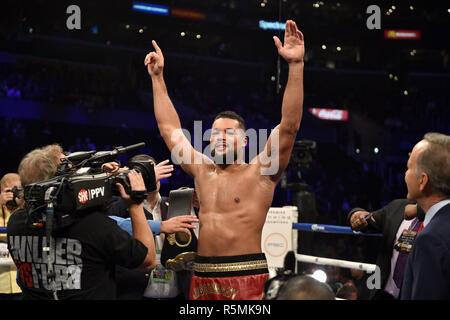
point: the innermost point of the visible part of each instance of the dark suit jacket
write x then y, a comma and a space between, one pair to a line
427, 274
131, 283
387, 221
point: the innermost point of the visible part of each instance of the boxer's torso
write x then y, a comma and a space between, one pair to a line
233, 206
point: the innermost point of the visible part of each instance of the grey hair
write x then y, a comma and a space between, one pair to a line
36, 166
434, 160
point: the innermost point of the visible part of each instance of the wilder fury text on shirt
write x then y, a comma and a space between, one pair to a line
31, 261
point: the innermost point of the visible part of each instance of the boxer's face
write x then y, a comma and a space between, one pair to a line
227, 137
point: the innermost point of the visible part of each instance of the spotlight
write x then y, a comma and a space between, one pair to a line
198, 36
391, 75
141, 30
263, 4
405, 92
357, 151
411, 8
338, 48
127, 26
320, 275
376, 150
395, 78
324, 47
182, 33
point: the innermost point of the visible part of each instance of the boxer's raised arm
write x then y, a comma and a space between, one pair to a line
166, 116
283, 137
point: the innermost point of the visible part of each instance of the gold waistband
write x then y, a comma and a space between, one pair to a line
233, 266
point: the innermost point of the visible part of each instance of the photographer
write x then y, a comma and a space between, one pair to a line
79, 260
9, 202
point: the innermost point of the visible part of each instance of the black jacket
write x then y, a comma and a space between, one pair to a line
131, 283
387, 221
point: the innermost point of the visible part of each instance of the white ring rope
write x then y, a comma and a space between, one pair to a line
335, 262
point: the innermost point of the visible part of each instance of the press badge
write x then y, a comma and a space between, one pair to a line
405, 242
5, 258
160, 274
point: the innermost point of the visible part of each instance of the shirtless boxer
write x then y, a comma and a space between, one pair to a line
234, 196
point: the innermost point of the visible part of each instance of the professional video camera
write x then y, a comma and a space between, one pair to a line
80, 186
302, 153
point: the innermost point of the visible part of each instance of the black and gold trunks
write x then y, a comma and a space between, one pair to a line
229, 266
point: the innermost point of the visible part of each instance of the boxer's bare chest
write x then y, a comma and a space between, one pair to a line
230, 190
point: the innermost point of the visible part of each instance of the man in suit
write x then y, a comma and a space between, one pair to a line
427, 274
391, 220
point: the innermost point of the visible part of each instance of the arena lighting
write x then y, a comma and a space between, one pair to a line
271, 25
150, 8
187, 14
320, 275
402, 34
329, 114
376, 150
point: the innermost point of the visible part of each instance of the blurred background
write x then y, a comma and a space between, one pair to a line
370, 94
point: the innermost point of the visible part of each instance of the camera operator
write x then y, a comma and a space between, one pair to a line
82, 255
9, 202
161, 283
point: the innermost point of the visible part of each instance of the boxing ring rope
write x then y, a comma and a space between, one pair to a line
326, 228
323, 228
336, 263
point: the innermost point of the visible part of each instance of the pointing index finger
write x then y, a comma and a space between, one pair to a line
155, 45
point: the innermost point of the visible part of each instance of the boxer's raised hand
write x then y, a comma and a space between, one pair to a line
293, 49
154, 61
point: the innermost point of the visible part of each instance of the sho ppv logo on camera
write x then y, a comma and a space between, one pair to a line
90, 194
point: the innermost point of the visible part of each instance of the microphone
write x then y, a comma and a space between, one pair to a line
121, 150
100, 157
75, 157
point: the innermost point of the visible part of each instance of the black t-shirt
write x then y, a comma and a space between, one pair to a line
83, 256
